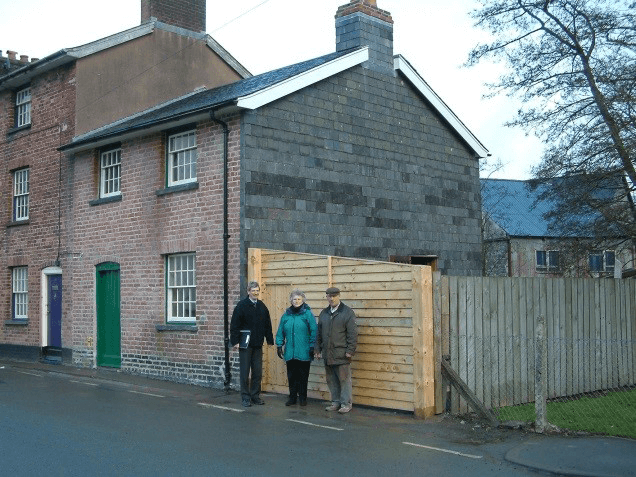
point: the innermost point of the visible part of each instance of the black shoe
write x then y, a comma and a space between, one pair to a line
303, 401
258, 401
246, 403
290, 402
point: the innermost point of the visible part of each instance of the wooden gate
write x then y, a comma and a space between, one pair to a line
394, 366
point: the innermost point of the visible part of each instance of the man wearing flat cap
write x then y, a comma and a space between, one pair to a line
336, 343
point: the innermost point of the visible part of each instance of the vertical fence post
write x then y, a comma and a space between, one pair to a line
541, 376
423, 343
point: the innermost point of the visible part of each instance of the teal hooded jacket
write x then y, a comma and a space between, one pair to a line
297, 333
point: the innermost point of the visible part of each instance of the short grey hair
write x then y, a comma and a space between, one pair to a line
252, 284
296, 292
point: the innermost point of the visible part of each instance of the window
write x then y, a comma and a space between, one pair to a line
602, 261
110, 173
23, 107
20, 297
182, 158
182, 289
547, 260
21, 195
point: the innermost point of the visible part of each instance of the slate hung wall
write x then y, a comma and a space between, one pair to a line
359, 165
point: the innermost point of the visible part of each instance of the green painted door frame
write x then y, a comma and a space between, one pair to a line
107, 294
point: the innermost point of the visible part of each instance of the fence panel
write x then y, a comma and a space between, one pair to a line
394, 366
590, 328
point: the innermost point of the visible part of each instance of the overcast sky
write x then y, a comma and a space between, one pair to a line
434, 36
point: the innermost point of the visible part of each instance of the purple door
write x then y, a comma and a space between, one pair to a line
55, 310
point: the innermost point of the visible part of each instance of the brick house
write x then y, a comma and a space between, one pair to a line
348, 154
44, 103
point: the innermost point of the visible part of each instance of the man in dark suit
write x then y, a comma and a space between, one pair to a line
252, 316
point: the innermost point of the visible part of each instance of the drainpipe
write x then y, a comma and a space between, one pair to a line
226, 238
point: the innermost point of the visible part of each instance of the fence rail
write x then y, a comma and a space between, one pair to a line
488, 330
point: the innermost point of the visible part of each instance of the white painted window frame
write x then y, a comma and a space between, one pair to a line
181, 285
110, 173
23, 107
21, 194
20, 293
182, 158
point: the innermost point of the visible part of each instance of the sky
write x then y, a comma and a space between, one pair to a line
434, 36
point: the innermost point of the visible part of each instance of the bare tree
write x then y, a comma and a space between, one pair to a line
573, 65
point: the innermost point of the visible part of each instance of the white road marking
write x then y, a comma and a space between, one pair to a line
83, 382
221, 407
315, 425
471, 456
147, 394
30, 374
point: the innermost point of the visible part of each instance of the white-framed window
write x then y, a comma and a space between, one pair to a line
20, 295
602, 261
182, 158
547, 260
23, 107
21, 195
182, 287
110, 173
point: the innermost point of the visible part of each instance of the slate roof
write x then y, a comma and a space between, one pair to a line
203, 100
518, 208
514, 206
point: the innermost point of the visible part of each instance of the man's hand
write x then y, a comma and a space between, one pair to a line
317, 355
348, 355
235, 347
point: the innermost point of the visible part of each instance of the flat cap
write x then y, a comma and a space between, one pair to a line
333, 291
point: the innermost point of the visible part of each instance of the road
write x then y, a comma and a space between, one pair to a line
59, 424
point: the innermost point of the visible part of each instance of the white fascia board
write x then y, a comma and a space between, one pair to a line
399, 63
298, 82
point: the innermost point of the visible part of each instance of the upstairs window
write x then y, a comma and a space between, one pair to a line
110, 173
547, 260
23, 107
182, 158
602, 262
20, 295
182, 288
21, 195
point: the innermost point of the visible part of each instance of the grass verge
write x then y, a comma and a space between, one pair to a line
612, 413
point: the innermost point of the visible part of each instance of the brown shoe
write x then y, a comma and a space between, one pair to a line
345, 409
333, 407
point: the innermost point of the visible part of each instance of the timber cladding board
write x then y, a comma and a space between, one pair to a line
385, 297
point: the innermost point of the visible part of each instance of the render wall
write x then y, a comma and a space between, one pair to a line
360, 166
138, 232
33, 243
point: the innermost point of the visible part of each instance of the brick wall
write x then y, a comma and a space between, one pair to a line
34, 243
137, 232
188, 14
359, 166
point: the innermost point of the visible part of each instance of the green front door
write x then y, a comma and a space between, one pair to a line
108, 315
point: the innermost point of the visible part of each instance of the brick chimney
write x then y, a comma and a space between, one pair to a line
188, 14
362, 23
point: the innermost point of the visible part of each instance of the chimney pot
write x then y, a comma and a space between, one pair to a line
24, 58
33, 60
11, 54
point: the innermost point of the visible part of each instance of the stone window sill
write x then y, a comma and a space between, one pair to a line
178, 188
106, 200
179, 327
16, 322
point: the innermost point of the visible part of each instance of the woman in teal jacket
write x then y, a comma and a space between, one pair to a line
297, 334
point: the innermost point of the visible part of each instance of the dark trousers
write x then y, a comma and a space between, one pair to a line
297, 376
251, 362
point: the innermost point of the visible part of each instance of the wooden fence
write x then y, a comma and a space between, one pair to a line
488, 329
394, 364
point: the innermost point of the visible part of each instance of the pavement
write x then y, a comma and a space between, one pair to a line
548, 454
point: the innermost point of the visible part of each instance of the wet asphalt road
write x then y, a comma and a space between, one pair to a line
58, 424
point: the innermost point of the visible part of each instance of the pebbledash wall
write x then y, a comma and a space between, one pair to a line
359, 165
33, 243
138, 232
